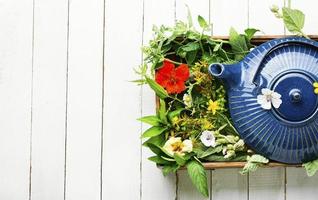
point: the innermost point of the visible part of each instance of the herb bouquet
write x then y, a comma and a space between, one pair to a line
192, 124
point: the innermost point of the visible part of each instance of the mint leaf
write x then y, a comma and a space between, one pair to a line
159, 90
294, 20
198, 177
258, 159
153, 131
311, 167
152, 120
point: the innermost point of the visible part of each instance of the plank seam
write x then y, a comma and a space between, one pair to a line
141, 101
31, 106
66, 96
103, 98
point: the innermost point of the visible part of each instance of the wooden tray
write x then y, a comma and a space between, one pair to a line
257, 40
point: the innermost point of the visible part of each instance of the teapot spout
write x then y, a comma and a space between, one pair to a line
230, 74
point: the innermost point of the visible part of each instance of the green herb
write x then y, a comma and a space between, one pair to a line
253, 163
198, 177
311, 167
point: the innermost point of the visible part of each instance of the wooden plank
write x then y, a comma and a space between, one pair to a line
227, 13
300, 186
267, 183
186, 190
229, 184
15, 102
152, 180
259, 11
49, 100
84, 108
122, 100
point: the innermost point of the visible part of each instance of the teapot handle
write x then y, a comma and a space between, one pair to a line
276, 44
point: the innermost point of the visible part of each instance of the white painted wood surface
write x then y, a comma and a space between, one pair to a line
68, 128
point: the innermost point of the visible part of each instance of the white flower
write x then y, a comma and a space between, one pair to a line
208, 139
187, 99
176, 145
269, 98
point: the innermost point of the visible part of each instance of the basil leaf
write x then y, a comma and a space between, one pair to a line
198, 177
159, 90
153, 131
294, 20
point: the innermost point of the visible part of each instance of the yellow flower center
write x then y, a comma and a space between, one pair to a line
177, 146
315, 84
213, 106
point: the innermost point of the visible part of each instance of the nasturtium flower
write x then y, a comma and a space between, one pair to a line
213, 106
187, 100
176, 145
315, 84
208, 139
269, 98
173, 78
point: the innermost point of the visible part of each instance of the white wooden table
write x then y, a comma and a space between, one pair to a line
68, 111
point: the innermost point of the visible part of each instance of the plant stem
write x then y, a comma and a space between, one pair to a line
174, 62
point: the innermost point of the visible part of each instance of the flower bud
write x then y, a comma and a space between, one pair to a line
274, 8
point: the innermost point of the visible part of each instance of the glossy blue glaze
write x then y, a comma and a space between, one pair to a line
288, 66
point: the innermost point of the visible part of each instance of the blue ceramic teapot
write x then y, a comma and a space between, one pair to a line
272, 100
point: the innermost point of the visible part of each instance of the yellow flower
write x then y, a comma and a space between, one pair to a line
176, 145
213, 106
315, 84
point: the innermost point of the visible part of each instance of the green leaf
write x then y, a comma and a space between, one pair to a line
189, 17
179, 159
191, 56
210, 151
198, 177
169, 169
203, 24
238, 44
159, 90
159, 160
158, 140
250, 167
294, 20
311, 167
152, 120
250, 32
175, 113
153, 131
258, 159
154, 148
162, 111
253, 163
191, 46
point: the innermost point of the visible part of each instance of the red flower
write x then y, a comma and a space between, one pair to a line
171, 78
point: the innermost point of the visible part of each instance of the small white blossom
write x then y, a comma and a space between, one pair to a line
208, 139
269, 98
176, 145
187, 99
